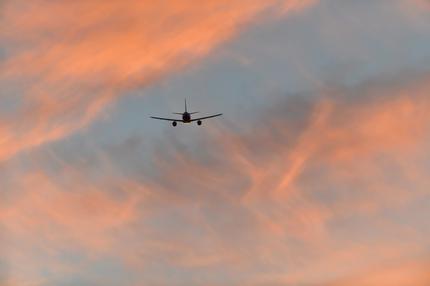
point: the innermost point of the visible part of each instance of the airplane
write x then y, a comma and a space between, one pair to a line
186, 117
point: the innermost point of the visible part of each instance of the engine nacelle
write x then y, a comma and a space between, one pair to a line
199, 122
174, 123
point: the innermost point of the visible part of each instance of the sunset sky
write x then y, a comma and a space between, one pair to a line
317, 174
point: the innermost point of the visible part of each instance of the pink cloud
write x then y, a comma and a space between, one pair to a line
69, 67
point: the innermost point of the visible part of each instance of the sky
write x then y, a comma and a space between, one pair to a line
317, 174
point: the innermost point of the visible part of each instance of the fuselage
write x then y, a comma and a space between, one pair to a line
186, 117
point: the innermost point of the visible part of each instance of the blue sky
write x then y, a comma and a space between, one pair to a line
316, 174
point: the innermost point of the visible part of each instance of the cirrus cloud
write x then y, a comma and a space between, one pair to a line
66, 61
310, 194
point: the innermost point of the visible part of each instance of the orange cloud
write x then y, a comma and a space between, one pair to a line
43, 218
412, 272
353, 145
416, 10
80, 213
422, 3
310, 195
292, 187
297, 5
66, 68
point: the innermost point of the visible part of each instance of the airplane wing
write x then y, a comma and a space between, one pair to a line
206, 117
167, 119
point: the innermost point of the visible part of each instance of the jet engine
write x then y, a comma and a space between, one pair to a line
174, 123
199, 122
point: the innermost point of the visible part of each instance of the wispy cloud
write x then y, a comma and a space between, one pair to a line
395, 274
302, 197
66, 61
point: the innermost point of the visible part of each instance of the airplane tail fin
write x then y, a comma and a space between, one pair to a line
186, 109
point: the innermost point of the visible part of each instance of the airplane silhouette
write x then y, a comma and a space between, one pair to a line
186, 117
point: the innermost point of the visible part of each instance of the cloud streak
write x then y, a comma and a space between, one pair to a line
308, 195
60, 71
